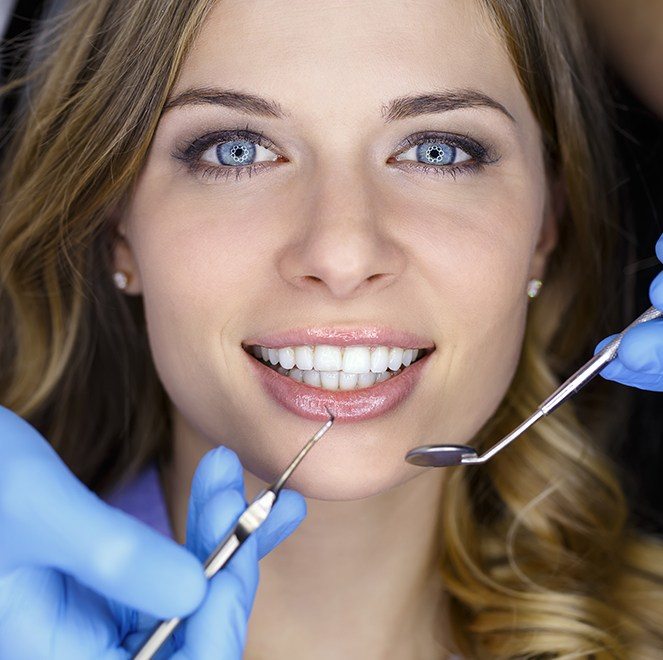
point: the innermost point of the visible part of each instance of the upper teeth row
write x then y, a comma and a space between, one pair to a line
350, 359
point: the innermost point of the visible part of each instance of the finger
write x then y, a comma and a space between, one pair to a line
641, 349
219, 626
212, 521
218, 629
603, 343
218, 471
616, 372
49, 518
640, 354
216, 502
223, 510
141, 631
46, 614
216, 518
220, 513
656, 291
285, 517
142, 628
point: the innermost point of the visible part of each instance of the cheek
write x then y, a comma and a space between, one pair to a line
195, 252
196, 271
474, 250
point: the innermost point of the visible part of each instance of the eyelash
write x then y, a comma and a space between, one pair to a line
190, 153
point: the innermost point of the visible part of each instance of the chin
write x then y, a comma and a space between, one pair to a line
331, 476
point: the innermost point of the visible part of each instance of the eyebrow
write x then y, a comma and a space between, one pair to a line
247, 103
398, 108
452, 99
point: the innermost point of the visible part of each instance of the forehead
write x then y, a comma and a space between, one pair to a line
334, 60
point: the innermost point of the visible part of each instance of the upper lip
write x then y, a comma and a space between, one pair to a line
372, 335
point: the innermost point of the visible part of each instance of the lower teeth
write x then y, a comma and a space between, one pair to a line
334, 380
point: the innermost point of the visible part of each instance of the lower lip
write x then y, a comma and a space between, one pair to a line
354, 405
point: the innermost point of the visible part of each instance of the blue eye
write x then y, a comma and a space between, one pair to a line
435, 153
237, 153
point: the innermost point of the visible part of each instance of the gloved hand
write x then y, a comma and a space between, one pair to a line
639, 361
80, 579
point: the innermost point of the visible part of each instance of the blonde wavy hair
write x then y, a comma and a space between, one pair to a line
539, 557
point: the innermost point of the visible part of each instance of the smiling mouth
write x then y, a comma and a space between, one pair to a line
317, 366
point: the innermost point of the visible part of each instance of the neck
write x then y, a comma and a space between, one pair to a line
356, 579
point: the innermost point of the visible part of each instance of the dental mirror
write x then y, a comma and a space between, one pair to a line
440, 455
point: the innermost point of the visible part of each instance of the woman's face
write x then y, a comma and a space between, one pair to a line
361, 211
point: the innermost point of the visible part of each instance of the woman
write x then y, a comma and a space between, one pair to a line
193, 180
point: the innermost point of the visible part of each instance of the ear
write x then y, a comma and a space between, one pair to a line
123, 259
549, 232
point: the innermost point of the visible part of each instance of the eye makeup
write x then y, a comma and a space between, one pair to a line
479, 155
190, 154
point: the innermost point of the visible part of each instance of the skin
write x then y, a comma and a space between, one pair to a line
220, 261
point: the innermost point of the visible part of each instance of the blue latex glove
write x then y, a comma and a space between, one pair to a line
639, 361
80, 579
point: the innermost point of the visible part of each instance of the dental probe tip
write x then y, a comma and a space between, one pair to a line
326, 426
331, 415
298, 459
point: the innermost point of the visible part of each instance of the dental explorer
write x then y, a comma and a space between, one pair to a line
450, 455
253, 516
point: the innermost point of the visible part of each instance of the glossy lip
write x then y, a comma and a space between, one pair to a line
341, 336
350, 406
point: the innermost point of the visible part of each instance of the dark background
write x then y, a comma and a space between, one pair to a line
639, 137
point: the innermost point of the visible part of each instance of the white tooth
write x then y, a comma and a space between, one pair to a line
357, 360
264, 353
407, 357
273, 355
281, 370
347, 381
385, 375
366, 380
379, 359
312, 378
327, 358
329, 380
287, 357
415, 352
296, 374
304, 357
395, 358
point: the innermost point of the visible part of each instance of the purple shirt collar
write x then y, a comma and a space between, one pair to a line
143, 498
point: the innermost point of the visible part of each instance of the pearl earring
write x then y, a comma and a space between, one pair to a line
533, 287
121, 278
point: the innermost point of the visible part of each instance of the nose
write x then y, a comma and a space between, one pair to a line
341, 244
